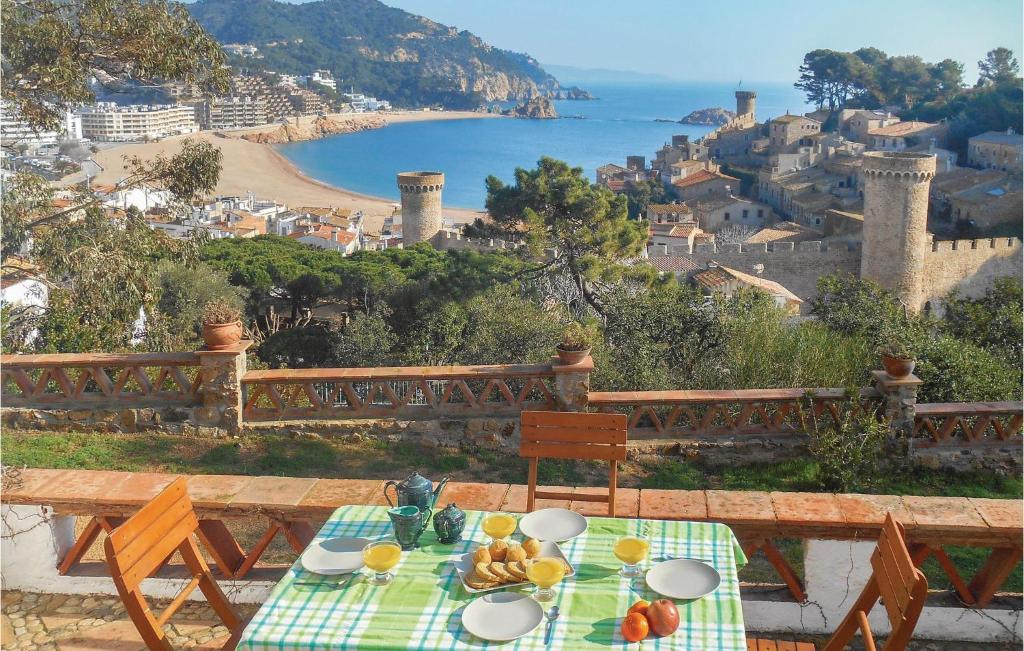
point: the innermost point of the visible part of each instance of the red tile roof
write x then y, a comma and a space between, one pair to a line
702, 176
673, 263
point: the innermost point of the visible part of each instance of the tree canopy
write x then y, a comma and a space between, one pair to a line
582, 228
998, 67
51, 50
98, 264
869, 78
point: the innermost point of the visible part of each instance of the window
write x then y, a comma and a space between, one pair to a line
746, 213
760, 213
726, 216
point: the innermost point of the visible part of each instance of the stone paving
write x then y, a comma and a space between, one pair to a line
49, 622
53, 622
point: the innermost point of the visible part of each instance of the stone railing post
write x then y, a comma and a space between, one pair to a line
222, 372
899, 399
572, 383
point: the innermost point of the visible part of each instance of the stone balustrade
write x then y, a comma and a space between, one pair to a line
40, 551
212, 392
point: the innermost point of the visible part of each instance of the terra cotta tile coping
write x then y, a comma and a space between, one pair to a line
939, 520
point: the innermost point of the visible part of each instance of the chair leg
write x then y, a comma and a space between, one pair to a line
851, 623
613, 480
531, 489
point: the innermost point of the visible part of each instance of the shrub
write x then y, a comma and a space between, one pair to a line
220, 311
848, 450
576, 337
958, 371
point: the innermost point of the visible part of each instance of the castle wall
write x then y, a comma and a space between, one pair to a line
969, 265
797, 266
451, 241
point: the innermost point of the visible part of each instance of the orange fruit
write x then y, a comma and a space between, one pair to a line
635, 627
639, 607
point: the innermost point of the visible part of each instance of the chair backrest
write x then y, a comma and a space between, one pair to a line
144, 543
902, 588
572, 435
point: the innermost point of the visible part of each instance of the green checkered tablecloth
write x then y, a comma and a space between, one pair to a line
422, 608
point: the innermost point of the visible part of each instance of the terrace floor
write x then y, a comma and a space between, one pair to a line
50, 622
41, 622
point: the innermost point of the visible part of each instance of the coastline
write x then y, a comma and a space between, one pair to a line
261, 169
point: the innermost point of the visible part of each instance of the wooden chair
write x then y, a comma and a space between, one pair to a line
902, 588
143, 544
572, 435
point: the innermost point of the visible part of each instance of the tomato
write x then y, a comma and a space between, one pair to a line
663, 617
635, 627
639, 607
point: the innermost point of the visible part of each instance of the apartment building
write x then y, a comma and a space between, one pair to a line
108, 122
235, 112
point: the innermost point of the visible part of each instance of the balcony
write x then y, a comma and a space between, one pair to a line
809, 550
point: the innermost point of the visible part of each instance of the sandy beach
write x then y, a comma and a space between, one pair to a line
259, 168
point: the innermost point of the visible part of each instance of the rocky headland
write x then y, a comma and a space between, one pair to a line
320, 127
710, 117
538, 108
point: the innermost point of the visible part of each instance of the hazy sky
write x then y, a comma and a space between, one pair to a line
757, 40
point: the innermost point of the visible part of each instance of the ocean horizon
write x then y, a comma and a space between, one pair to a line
621, 122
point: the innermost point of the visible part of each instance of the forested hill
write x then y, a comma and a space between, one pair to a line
382, 51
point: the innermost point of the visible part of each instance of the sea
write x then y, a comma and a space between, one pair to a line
621, 122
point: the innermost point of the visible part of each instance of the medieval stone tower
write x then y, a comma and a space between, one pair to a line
895, 222
421, 205
746, 102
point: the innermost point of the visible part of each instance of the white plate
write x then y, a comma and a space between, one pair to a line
502, 616
682, 578
553, 524
335, 555
464, 565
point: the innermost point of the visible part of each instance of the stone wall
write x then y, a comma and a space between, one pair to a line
969, 265
797, 266
171, 420
449, 240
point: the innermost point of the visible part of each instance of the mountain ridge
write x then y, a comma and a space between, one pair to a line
380, 50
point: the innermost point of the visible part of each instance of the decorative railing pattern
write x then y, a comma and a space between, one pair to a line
972, 423
660, 414
95, 379
406, 392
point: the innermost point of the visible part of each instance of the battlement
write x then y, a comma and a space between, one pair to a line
455, 240
421, 181
998, 243
762, 248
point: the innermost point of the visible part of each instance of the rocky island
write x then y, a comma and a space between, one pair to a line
712, 117
572, 93
538, 108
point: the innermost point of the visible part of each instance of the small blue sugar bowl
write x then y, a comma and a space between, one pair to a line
449, 523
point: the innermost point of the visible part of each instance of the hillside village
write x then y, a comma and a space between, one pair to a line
775, 204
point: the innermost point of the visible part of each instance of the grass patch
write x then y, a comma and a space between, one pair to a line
283, 455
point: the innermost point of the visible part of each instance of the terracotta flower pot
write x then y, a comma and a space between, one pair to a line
569, 357
897, 367
221, 336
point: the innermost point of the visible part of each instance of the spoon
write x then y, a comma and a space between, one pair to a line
552, 615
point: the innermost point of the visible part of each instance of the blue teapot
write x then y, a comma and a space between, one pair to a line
415, 490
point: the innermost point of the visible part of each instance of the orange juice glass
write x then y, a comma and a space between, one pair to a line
545, 573
499, 525
631, 551
380, 557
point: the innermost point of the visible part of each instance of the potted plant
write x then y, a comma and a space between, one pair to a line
576, 344
222, 325
897, 358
